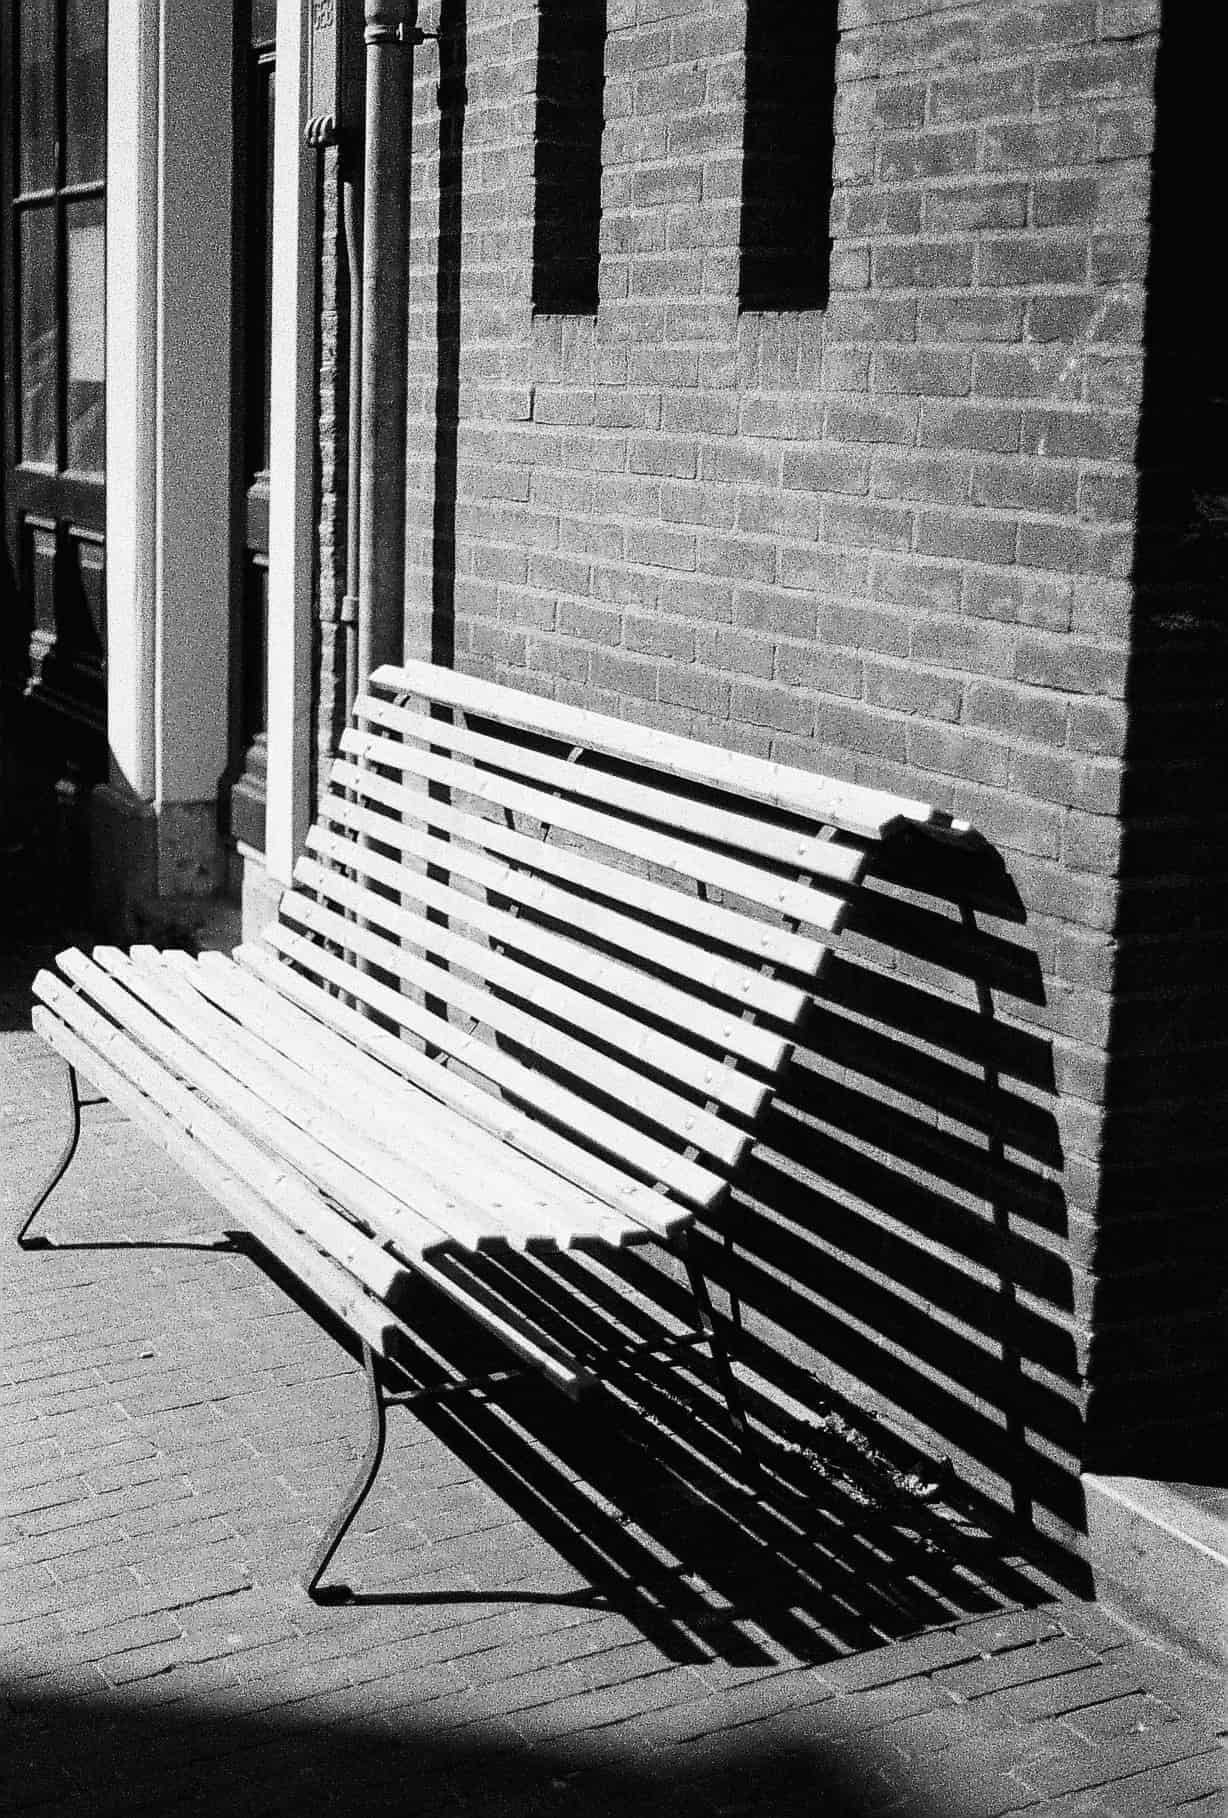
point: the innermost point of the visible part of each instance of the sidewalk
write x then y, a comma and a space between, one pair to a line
551, 1619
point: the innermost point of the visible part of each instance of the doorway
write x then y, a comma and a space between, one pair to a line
52, 305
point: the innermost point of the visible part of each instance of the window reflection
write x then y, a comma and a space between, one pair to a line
36, 88
85, 79
39, 341
86, 326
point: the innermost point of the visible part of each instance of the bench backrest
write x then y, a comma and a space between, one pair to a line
613, 929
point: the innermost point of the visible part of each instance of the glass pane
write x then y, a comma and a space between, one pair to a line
36, 93
86, 335
39, 342
85, 55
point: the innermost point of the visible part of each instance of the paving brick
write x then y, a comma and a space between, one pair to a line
1198, 1778
1087, 1687
1044, 1660
1119, 1717
1097, 1766
1194, 1691
1010, 1629
607, 1705
923, 1654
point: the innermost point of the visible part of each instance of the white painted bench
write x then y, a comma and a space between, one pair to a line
534, 983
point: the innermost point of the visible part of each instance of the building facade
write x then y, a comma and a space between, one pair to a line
841, 383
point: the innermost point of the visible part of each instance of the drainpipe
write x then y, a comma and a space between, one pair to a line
349, 605
390, 33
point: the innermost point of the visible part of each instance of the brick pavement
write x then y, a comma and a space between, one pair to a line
548, 1622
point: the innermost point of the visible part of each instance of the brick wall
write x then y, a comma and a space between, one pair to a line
893, 539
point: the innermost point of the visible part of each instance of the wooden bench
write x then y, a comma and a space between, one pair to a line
532, 987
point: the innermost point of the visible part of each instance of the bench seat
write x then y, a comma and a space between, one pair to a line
530, 991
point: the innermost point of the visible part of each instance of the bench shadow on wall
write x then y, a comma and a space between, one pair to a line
896, 1243
899, 1247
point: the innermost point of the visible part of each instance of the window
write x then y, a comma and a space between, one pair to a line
787, 154
567, 155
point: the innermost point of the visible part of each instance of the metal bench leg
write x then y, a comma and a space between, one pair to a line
730, 1389
61, 1168
356, 1495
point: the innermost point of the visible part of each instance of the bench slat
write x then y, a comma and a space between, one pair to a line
448, 1148
650, 1100
163, 1105
654, 1159
516, 1212
371, 1177
642, 1206
331, 1284
370, 1204
523, 1336
719, 1026
693, 916
687, 1065
805, 850
771, 997
813, 908
870, 812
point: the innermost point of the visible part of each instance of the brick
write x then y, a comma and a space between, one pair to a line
1094, 1626
978, 536
1033, 261
974, 208
1016, 1666
958, 643
736, 652
982, 95
773, 611
969, 426
827, 470
954, 751
1132, 1755
1198, 1783
940, 265
1071, 663
811, 666
868, 212
1119, 1717
923, 373
906, 690
909, 581
1027, 373
880, 320
1048, 545
1021, 597
1089, 435
866, 525
1119, 258
1043, 145
1129, 18
921, 477
1108, 73
902, 1660
861, 628
659, 548
1098, 727
871, 422
783, 709
906, 160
